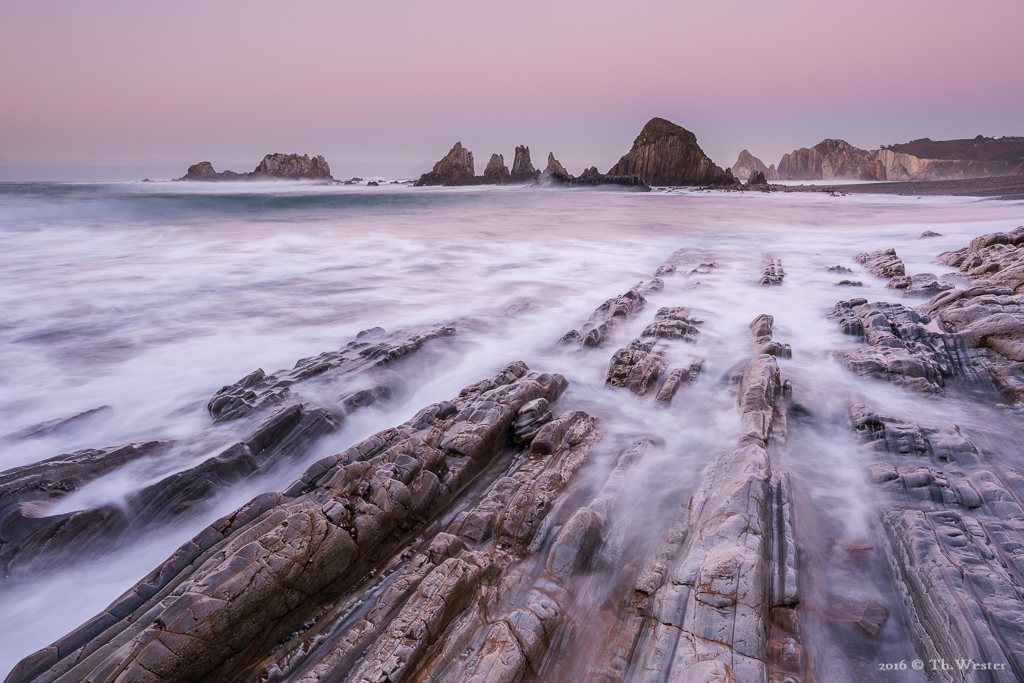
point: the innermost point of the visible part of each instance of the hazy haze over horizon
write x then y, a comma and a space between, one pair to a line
118, 90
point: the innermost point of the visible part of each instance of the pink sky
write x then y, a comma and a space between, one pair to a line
121, 90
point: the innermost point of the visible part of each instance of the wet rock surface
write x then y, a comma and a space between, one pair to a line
882, 263
772, 273
281, 426
493, 536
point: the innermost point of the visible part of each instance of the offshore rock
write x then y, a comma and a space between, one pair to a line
497, 172
882, 263
555, 171
667, 154
772, 274
522, 168
592, 176
747, 165
204, 171
455, 168
291, 167
273, 167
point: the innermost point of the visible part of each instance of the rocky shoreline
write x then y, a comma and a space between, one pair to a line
463, 544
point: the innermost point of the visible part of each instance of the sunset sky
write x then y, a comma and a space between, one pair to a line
120, 90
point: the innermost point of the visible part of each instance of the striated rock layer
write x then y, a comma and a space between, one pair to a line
493, 535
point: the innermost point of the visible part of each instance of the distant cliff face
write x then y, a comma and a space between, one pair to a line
840, 160
456, 168
667, 154
273, 167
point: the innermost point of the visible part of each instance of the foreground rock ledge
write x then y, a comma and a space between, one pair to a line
256, 575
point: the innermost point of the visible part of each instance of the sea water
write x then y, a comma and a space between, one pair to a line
145, 298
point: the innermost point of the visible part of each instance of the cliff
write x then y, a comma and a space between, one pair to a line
840, 160
273, 167
667, 154
456, 168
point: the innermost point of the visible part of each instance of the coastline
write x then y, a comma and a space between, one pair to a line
999, 187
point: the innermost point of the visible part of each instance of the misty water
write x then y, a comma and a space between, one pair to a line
147, 298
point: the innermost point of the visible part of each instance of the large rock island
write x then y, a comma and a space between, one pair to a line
667, 154
273, 167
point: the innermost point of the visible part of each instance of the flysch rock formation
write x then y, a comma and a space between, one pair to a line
482, 539
838, 159
953, 525
974, 335
277, 424
273, 167
667, 154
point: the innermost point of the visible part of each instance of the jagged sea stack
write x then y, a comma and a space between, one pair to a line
667, 154
456, 168
522, 168
555, 171
497, 172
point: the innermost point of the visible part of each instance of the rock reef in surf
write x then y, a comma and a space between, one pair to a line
663, 154
273, 167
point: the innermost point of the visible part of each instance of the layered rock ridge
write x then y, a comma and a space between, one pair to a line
274, 421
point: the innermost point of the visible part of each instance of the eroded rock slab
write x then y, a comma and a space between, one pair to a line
882, 263
605, 319
256, 574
